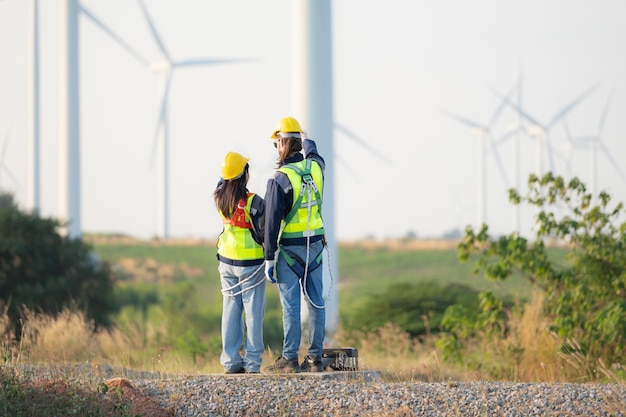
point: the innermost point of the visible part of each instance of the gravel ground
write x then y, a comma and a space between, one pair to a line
307, 395
349, 394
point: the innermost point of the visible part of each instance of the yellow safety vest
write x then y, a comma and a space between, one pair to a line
236, 241
305, 217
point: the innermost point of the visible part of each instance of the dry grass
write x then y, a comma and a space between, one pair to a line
527, 354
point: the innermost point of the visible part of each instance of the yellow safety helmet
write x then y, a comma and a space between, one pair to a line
233, 165
286, 125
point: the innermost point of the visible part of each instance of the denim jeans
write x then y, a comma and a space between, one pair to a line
290, 285
243, 289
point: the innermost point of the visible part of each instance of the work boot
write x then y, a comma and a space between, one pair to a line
312, 364
284, 366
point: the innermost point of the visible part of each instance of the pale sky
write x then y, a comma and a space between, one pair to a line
397, 65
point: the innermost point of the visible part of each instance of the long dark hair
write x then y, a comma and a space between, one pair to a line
292, 146
228, 194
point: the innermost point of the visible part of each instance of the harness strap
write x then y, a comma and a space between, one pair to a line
240, 217
307, 184
298, 266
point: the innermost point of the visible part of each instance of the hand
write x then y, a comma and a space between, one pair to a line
269, 271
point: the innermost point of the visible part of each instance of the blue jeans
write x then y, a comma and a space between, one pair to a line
289, 286
241, 297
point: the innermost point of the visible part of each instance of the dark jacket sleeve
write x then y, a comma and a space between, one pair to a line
310, 152
274, 207
257, 215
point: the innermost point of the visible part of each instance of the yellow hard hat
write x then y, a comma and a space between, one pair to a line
233, 165
286, 125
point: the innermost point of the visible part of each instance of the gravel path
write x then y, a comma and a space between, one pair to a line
306, 395
349, 394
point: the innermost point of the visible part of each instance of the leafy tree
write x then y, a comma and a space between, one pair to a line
586, 289
44, 271
417, 309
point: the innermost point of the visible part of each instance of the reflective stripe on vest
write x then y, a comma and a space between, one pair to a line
236, 242
305, 217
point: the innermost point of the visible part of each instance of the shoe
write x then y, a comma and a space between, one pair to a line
312, 364
235, 371
284, 366
252, 372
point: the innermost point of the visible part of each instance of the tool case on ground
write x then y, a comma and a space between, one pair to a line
341, 359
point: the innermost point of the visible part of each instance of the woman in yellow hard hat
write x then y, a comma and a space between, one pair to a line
240, 255
294, 227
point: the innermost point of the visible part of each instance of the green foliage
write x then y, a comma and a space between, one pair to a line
415, 308
46, 272
586, 288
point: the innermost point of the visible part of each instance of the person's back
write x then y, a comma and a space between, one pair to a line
240, 255
294, 241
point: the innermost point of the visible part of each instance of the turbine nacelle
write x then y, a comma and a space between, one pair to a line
161, 66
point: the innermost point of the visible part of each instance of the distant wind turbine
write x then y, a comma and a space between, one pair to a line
484, 132
594, 143
541, 131
161, 141
69, 111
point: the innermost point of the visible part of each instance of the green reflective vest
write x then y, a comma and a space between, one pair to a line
305, 217
236, 241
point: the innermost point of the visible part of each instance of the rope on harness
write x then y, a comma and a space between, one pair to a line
240, 283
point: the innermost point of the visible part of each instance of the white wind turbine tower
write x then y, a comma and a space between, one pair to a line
312, 98
484, 132
161, 142
34, 185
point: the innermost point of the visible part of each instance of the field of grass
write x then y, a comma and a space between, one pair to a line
528, 353
364, 269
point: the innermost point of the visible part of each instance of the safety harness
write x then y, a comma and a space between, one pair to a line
307, 206
241, 218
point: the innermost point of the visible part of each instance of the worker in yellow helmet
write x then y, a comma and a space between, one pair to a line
294, 241
240, 255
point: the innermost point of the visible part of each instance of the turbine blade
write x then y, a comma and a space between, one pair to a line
572, 104
517, 108
604, 113
501, 107
212, 61
465, 121
343, 163
361, 142
10, 174
113, 35
612, 160
152, 27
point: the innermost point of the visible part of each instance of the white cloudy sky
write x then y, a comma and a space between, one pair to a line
397, 65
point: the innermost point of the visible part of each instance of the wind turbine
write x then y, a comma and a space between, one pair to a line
161, 142
595, 142
484, 132
541, 131
69, 109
